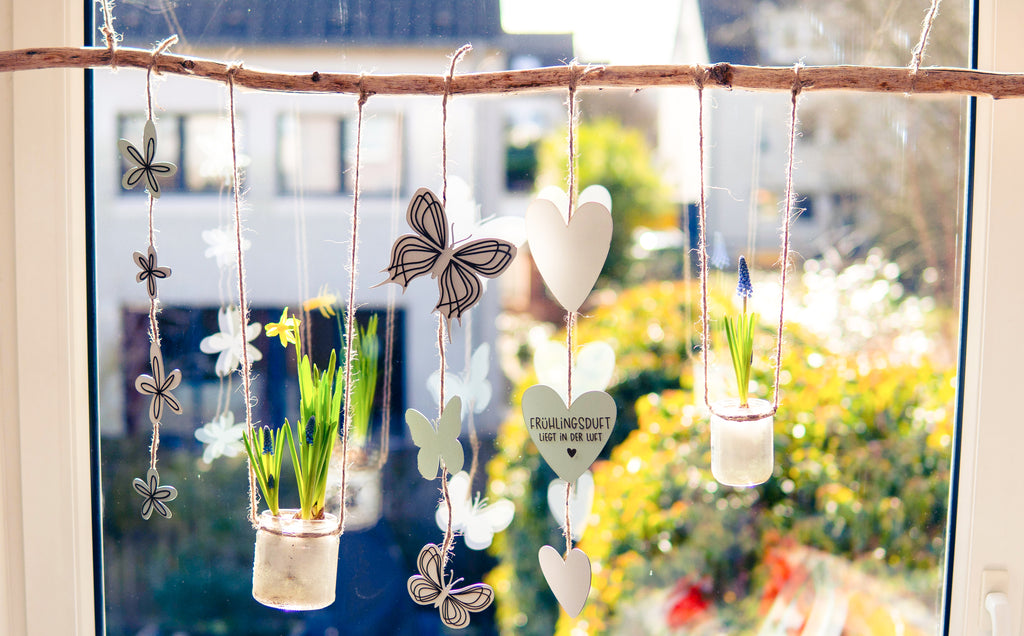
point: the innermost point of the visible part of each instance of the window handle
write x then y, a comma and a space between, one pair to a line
998, 606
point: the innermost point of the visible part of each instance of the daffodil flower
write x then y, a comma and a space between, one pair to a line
159, 386
150, 272
284, 328
144, 164
324, 302
228, 343
154, 494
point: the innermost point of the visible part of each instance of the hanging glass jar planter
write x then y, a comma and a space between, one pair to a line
295, 566
742, 450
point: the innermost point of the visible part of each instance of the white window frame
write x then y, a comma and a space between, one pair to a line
46, 566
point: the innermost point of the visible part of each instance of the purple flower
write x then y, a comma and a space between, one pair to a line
268, 441
743, 288
310, 429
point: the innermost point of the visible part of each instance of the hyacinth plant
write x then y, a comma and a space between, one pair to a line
320, 394
265, 458
364, 381
739, 332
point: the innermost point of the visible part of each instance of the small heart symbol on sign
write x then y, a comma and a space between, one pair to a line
569, 439
569, 579
569, 251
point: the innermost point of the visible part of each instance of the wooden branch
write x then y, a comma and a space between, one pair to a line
866, 79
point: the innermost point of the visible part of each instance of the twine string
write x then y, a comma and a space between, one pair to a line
474, 438
350, 312
110, 36
575, 72
784, 258
568, 519
243, 306
449, 533
917, 55
389, 329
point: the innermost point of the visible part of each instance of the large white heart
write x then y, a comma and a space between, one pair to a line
569, 579
569, 439
569, 252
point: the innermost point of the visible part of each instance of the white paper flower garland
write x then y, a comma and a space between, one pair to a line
158, 384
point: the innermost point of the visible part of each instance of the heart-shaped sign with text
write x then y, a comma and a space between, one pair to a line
569, 578
569, 251
569, 439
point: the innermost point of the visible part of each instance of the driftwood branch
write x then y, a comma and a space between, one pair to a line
866, 79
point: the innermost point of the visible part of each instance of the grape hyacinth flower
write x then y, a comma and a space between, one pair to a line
739, 332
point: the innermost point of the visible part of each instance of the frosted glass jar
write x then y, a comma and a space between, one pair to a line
295, 566
742, 453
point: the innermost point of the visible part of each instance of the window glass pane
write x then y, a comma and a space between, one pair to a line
848, 534
310, 154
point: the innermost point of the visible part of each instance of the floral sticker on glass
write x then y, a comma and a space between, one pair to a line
144, 164
150, 272
221, 437
228, 343
221, 245
159, 386
154, 494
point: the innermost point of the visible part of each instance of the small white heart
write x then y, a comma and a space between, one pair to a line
569, 439
569, 255
569, 579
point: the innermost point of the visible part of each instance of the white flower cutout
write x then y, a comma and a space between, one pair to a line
221, 437
154, 494
145, 167
159, 386
150, 272
223, 246
228, 343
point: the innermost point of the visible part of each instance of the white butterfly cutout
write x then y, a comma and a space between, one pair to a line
593, 367
457, 267
471, 385
464, 213
438, 444
429, 588
477, 520
581, 502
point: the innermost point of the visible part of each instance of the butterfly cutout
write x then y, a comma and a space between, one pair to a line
457, 268
150, 271
581, 502
429, 588
159, 386
440, 444
144, 164
471, 385
477, 520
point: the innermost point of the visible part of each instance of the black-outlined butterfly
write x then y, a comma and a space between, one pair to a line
456, 267
429, 588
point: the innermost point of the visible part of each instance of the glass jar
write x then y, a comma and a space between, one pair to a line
742, 452
295, 566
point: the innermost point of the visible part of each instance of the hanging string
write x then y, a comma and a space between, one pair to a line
110, 36
243, 306
568, 519
702, 244
389, 324
575, 72
918, 53
350, 310
449, 534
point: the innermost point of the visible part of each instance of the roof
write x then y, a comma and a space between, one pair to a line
307, 22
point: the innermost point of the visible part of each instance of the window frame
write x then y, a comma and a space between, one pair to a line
47, 572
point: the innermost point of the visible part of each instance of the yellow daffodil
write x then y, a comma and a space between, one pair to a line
324, 303
285, 328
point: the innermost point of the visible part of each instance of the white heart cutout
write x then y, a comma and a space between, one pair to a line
569, 439
569, 255
581, 502
569, 578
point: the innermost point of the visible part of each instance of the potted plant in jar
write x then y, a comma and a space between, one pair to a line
742, 429
363, 501
296, 557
